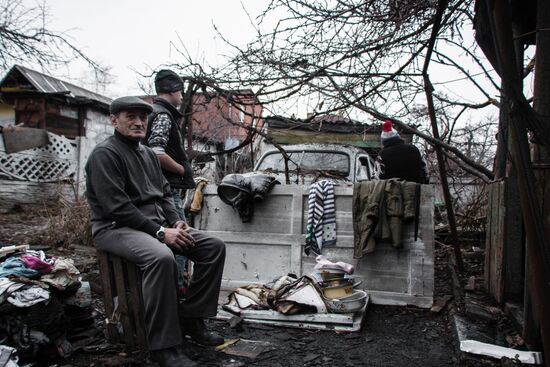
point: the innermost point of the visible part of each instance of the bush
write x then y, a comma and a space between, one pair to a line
68, 224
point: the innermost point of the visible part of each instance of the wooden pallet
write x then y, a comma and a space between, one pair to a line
122, 295
350, 322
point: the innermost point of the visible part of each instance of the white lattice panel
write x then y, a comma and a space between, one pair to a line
56, 161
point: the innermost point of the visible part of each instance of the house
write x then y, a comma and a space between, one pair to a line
74, 118
222, 119
332, 129
38, 100
220, 123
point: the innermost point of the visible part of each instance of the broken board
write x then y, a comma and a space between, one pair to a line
350, 322
475, 339
18, 138
246, 348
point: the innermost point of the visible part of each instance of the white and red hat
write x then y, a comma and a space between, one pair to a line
388, 132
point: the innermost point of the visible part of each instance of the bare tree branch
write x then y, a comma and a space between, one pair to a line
26, 38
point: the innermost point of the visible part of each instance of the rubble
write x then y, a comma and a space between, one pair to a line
390, 336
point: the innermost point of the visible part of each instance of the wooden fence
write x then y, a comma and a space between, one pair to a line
494, 245
40, 176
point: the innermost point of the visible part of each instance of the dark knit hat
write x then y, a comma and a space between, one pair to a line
166, 81
129, 103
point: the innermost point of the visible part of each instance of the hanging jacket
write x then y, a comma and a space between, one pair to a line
368, 197
385, 204
241, 190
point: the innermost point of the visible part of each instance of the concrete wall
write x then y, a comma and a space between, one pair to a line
97, 125
207, 170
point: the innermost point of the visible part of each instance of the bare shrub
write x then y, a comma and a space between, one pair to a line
68, 224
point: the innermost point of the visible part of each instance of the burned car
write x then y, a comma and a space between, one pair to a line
308, 163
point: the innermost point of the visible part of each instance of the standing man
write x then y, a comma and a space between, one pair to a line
133, 216
165, 136
398, 159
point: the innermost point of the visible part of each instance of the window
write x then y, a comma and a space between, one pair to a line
307, 161
241, 114
363, 168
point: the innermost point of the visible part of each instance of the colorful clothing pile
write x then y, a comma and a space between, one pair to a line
25, 279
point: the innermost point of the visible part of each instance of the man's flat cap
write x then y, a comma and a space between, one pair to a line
129, 103
166, 81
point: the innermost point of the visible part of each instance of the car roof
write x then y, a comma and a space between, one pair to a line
318, 147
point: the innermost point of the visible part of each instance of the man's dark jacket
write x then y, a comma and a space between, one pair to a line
175, 147
402, 161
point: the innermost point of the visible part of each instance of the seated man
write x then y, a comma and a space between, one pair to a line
133, 216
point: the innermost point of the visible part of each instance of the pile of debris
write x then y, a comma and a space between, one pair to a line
45, 308
324, 299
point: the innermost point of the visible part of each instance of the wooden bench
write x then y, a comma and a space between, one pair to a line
122, 295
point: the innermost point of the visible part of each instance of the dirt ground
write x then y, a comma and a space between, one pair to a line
391, 336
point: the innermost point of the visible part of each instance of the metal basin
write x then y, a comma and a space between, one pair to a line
350, 304
336, 282
338, 291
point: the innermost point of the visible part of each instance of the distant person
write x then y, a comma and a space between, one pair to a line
166, 138
133, 216
398, 159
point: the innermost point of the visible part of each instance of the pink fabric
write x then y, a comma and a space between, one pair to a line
35, 263
323, 262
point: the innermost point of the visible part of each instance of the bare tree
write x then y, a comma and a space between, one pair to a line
384, 58
467, 188
366, 56
26, 38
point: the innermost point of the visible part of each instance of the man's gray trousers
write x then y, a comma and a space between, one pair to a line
159, 271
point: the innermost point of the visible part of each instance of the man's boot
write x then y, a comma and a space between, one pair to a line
196, 329
171, 357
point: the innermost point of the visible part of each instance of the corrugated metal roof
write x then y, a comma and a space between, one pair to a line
324, 123
48, 84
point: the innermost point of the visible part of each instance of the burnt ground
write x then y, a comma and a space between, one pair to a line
391, 336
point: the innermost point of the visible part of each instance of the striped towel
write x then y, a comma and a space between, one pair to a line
321, 217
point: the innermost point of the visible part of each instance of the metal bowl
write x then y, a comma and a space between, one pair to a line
336, 282
339, 291
353, 303
331, 273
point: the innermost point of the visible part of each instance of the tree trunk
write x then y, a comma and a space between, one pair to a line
520, 116
541, 164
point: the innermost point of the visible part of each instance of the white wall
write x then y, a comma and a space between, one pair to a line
98, 126
209, 169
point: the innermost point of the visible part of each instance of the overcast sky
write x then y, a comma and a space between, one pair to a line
131, 36
136, 35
